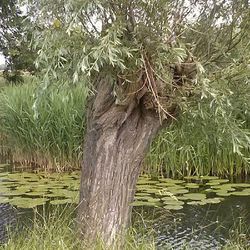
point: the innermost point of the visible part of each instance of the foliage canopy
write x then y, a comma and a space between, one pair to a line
81, 40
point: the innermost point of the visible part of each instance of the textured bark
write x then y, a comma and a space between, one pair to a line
115, 145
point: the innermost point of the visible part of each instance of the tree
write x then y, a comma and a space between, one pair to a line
15, 40
142, 61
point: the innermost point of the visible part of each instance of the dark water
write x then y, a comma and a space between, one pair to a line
208, 227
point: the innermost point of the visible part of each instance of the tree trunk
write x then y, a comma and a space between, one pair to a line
116, 143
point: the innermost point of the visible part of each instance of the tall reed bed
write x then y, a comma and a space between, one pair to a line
203, 142
54, 137
206, 140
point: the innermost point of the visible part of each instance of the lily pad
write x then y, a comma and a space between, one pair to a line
27, 202
178, 191
241, 193
192, 185
223, 193
145, 181
142, 194
35, 193
194, 177
216, 182
169, 180
143, 203
208, 178
241, 185
14, 193
4, 200
213, 200
4, 165
173, 202
166, 184
173, 207
60, 202
195, 196
142, 198
201, 203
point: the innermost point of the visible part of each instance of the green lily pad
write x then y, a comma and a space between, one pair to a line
4, 200
40, 188
60, 202
167, 184
143, 203
27, 202
4, 165
178, 191
143, 187
173, 202
142, 198
34, 193
14, 193
224, 187
173, 207
241, 193
209, 190
3, 174
53, 195
9, 184
169, 180
208, 178
201, 203
213, 200
216, 182
194, 196
142, 194
194, 177
153, 191
241, 185
192, 185
169, 198
223, 193
145, 181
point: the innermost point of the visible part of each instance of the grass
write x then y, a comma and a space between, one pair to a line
57, 230
54, 137
208, 140
199, 147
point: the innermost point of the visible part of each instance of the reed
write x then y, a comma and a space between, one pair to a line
200, 147
203, 141
54, 137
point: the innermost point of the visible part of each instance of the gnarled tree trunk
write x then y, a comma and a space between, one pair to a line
115, 145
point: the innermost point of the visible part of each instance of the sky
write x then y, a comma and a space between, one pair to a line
2, 61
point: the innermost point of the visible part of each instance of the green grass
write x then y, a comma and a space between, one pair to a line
193, 146
206, 140
57, 230
54, 137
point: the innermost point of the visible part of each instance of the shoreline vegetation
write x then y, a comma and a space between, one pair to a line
56, 230
50, 135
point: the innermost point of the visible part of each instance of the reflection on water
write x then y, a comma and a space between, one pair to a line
8, 218
207, 227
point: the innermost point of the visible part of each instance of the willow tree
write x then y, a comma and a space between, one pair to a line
139, 60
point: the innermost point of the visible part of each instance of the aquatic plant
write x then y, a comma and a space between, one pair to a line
197, 145
53, 138
194, 145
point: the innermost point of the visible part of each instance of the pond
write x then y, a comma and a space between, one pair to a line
201, 211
